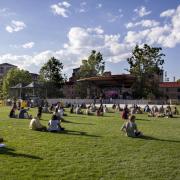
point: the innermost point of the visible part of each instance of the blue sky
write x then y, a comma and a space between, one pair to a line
33, 31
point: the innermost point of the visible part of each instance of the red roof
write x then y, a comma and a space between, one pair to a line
169, 84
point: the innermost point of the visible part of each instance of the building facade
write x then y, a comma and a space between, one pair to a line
170, 90
5, 67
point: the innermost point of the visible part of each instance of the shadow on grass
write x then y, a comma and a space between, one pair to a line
77, 133
66, 121
140, 119
11, 152
157, 139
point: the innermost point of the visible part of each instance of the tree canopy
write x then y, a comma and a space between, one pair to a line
94, 65
146, 65
52, 71
13, 77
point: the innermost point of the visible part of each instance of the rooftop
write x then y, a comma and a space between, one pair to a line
169, 84
111, 80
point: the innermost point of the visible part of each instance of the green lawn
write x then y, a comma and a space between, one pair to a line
93, 148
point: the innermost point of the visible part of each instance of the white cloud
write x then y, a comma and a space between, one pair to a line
114, 47
167, 13
144, 23
83, 4
28, 45
61, 9
142, 11
15, 26
81, 41
99, 6
6, 12
112, 18
82, 10
65, 4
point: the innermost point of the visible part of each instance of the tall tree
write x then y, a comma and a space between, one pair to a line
13, 77
146, 64
52, 71
94, 65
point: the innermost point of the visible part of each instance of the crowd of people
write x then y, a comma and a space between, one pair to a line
57, 110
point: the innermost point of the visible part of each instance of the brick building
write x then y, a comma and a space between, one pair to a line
171, 90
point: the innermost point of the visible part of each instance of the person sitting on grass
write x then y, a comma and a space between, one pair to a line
100, 111
72, 109
168, 112
175, 111
12, 113
1, 140
88, 111
105, 109
130, 127
36, 125
23, 114
54, 124
78, 110
125, 112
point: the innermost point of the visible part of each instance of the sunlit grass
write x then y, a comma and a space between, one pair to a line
92, 148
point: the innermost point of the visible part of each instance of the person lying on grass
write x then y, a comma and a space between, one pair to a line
130, 127
36, 125
54, 124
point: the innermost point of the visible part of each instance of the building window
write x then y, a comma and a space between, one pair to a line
178, 90
178, 97
167, 90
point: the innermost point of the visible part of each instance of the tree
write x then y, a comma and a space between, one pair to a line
93, 66
52, 72
178, 80
13, 77
51, 75
146, 65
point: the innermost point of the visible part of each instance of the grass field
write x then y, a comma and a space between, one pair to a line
93, 148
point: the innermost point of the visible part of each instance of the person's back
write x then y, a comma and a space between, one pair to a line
54, 124
130, 127
36, 125
22, 113
12, 113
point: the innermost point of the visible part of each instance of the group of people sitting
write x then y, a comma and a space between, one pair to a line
23, 113
54, 124
92, 109
167, 112
154, 111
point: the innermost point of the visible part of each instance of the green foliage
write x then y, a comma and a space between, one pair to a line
93, 66
146, 64
178, 80
91, 148
52, 71
13, 77
51, 75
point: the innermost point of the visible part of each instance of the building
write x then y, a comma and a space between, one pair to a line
5, 67
170, 90
110, 86
34, 76
69, 88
